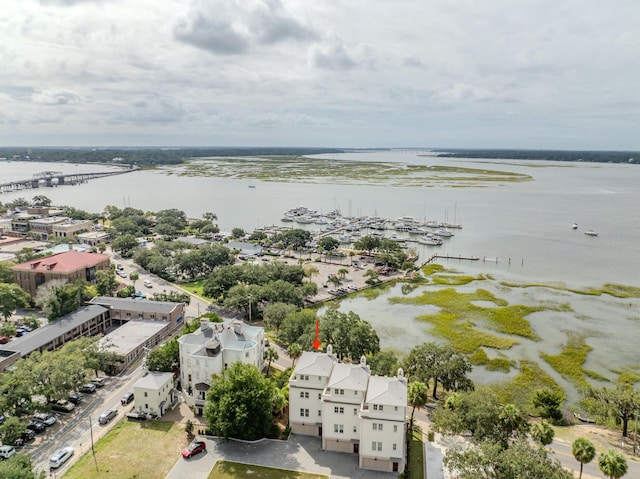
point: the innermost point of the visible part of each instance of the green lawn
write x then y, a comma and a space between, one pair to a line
416, 459
194, 287
133, 450
235, 470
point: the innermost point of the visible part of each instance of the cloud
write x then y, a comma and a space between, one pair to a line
56, 97
333, 56
232, 27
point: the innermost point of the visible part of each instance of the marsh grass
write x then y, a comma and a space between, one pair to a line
452, 280
612, 289
300, 169
237, 470
461, 322
568, 363
480, 358
521, 388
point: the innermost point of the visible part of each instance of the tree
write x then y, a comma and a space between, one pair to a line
57, 297
442, 364
12, 297
350, 336
511, 423
270, 355
6, 275
275, 313
106, 282
17, 466
612, 464
623, 401
373, 277
311, 271
39, 201
491, 461
542, 432
124, 244
584, 452
237, 233
328, 244
11, 429
383, 363
239, 404
549, 403
165, 358
294, 351
8, 329
367, 243
134, 276
417, 394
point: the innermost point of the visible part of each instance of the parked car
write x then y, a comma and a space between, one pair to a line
28, 435
60, 457
4, 339
88, 388
99, 382
62, 405
126, 399
36, 426
148, 283
46, 418
6, 452
196, 447
107, 416
75, 398
121, 273
137, 416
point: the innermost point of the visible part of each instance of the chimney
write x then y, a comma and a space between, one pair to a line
400, 373
204, 324
363, 360
329, 349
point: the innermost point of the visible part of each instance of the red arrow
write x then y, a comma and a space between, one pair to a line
317, 343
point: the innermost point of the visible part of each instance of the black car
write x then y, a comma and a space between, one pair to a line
36, 426
75, 398
126, 399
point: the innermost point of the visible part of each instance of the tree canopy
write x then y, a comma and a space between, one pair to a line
239, 404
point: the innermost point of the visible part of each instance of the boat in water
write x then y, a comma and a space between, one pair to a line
591, 233
574, 226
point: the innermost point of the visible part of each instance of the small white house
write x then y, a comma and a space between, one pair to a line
154, 393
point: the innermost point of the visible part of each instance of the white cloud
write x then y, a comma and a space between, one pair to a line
535, 73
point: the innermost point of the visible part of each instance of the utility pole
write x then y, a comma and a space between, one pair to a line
93, 451
250, 299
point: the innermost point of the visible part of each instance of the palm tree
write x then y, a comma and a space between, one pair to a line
417, 394
311, 271
294, 351
270, 355
583, 451
134, 276
542, 433
511, 422
342, 272
612, 464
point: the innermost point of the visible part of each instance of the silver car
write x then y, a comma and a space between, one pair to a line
107, 416
60, 457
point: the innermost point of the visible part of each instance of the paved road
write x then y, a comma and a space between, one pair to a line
299, 453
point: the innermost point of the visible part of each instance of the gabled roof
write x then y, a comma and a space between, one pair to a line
349, 376
385, 390
66, 262
315, 364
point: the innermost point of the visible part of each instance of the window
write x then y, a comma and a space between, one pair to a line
395, 428
394, 446
339, 428
145, 394
377, 407
379, 446
355, 428
339, 391
304, 394
319, 412
319, 395
246, 355
395, 408
355, 411
373, 445
304, 412
377, 426
338, 410
305, 377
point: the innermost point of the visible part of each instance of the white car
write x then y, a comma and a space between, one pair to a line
148, 283
6, 452
60, 457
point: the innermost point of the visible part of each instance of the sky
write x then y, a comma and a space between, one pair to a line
534, 74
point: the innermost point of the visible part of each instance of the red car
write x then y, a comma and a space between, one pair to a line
194, 448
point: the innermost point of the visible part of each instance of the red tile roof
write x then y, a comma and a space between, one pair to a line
66, 262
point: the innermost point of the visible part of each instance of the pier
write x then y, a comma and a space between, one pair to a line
54, 178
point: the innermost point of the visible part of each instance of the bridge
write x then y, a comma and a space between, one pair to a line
55, 178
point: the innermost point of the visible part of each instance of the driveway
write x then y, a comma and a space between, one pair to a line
299, 453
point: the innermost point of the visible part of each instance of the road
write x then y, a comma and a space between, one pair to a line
77, 428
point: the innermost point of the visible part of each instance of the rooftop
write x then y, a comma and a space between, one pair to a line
387, 390
131, 335
315, 364
349, 376
66, 262
153, 380
137, 305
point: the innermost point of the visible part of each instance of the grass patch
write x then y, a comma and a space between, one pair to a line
236, 470
301, 169
629, 376
570, 360
432, 268
416, 457
520, 389
459, 319
612, 289
195, 287
452, 280
120, 454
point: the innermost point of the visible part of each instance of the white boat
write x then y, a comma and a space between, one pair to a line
574, 226
444, 232
430, 240
591, 233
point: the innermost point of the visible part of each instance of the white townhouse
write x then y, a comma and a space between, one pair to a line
306, 386
342, 399
213, 348
154, 393
353, 411
382, 420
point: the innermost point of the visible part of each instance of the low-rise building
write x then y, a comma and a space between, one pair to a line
44, 226
67, 266
155, 393
94, 238
213, 348
71, 228
352, 411
126, 309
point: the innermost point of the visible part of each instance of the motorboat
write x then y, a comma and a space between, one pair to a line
591, 233
574, 226
444, 232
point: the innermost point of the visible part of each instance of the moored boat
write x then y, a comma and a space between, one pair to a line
591, 233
